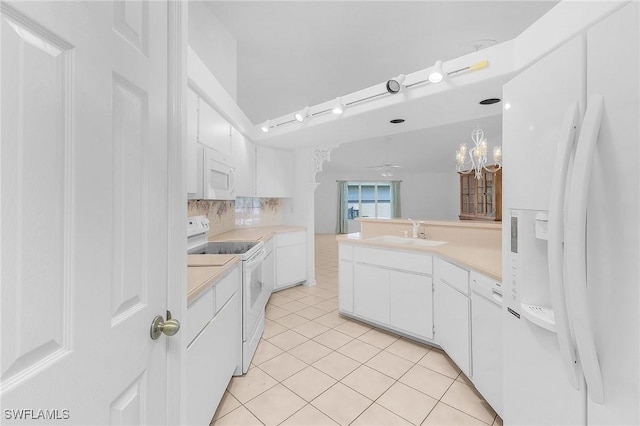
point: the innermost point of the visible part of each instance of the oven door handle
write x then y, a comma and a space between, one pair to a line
256, 258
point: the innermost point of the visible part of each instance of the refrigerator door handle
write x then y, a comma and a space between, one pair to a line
575, 249
555, 253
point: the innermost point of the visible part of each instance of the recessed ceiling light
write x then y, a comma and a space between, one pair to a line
490, 101
397, 120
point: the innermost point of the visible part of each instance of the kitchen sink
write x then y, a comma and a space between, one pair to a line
407, 241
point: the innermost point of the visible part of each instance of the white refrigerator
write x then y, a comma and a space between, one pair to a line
571, 323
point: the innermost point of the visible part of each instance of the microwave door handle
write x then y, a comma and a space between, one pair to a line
555, 253
575, 248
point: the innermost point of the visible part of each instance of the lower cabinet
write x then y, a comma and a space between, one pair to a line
452, 312
214, 328
345, 278
396, 295
409, 296
291, 258
371, 293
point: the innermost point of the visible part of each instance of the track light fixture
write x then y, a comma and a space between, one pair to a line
300, 116
433, 75
436, 75
395, 84
338, 107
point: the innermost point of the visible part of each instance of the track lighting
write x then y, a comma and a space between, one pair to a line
436, 75
432, 75
338, 107
300, 116
395, 84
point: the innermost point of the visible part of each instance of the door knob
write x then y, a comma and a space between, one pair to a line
168, 327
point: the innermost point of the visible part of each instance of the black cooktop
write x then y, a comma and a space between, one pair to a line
224, 247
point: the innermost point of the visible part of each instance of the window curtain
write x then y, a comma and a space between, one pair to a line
396, 206
343, 207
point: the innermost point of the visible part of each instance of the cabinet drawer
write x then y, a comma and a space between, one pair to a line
226, 287
453, 275
291, 238
200, 313
211, 361
402, 260
345, 252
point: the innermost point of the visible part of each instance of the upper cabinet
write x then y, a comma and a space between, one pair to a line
213, 130
244, 158
274, 172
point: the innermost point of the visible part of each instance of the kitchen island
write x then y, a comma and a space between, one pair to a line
430, 289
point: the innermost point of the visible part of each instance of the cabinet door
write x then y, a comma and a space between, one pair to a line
206, 385
244, 158
213, 130
371, 293
192, 141
411, 303
452, 310
291, 265
345, 286
284, 173
265, 172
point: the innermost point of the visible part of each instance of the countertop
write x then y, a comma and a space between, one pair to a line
487, 261
204, 269
199, 278
255, 234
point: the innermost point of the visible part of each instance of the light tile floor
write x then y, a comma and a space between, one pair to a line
315, 367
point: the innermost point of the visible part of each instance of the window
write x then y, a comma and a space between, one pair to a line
369, 199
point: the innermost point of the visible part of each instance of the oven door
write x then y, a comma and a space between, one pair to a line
255, 294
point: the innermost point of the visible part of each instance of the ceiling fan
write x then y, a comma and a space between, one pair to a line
386, 166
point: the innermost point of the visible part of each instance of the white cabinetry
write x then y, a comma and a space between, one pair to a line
265, 172
408, 296
345, 278
213, 130
284, 174
371, 292
274, 172
390, 288
213, 330
453, 313
244, 159
291, 258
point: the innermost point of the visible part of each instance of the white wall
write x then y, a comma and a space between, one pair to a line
432, 196
215, 46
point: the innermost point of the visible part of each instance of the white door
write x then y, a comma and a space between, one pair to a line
84, 211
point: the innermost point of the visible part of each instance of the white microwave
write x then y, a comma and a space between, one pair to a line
215, 177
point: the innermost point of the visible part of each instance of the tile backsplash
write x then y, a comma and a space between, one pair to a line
244, 212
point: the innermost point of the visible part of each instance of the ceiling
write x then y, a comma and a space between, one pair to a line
297, 53
431, 149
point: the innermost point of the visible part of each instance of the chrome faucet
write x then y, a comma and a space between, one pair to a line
415, 226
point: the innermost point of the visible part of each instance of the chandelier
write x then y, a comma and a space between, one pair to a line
476, 160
